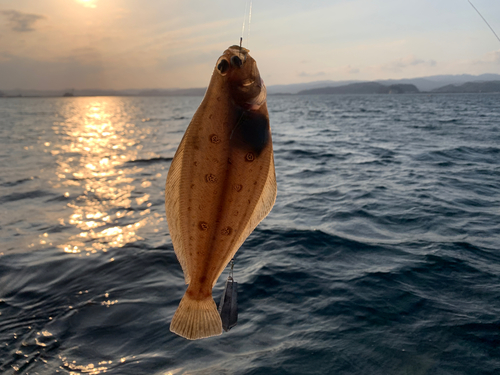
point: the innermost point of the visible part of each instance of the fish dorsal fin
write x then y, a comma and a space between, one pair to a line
172, 208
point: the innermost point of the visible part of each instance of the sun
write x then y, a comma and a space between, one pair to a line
88, 3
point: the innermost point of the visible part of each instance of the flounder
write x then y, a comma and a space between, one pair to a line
220, 185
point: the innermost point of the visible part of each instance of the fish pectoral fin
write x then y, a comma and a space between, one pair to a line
196, 319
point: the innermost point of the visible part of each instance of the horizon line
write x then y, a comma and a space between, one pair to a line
278, 84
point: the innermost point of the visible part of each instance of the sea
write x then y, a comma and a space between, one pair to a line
380, 256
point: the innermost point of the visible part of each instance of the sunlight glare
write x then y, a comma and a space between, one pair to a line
87, 3
104, 211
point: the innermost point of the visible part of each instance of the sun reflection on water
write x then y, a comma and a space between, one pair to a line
98, 139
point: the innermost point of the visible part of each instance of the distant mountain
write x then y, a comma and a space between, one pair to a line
363, 88
470, 87
86, 92
294, 88
175, 92
422, 83
433, 82
99, 92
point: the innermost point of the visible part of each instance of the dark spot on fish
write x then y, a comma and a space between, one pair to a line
203, 225
210, 178
250, 157
237, 187
210, 116
252, 132
202, 279
189, 208
226, 231
223, 66
229, 161
236, 62
195, 163
236, 213
214, 138
192, 186
255, 182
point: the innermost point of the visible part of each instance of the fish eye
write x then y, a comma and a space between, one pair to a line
236, 62
223, 66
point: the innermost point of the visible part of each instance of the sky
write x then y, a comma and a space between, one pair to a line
134, 44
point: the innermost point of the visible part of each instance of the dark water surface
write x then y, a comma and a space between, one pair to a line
381, 255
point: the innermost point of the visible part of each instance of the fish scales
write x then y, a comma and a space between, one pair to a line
220, 185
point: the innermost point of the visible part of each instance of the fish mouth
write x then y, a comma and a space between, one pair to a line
247, 82
257, 102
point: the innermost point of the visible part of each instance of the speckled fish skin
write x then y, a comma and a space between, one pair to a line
220, 185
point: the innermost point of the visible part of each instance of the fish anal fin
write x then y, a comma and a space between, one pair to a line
196, 319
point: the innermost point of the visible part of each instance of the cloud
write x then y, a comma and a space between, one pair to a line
21, 22
351, 70
407, 61
85, 56
27, 73
489, 58
305, 74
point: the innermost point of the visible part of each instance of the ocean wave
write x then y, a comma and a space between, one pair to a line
158, 159
379, 257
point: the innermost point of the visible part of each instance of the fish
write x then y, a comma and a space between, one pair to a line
220, 185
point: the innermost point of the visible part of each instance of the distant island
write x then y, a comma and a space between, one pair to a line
378, 88
442, 84
363, 88
470, 87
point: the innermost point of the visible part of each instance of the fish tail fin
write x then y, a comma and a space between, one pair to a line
196, 319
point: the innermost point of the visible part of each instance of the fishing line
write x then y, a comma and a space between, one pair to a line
493, 31
248, 10
249, 22
244, 21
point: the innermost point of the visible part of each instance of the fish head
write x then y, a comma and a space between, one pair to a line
239, 73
